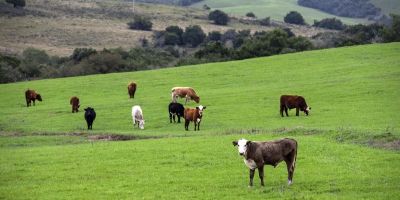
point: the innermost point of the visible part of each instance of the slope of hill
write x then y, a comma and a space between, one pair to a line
388, 6
276, 9
352, 91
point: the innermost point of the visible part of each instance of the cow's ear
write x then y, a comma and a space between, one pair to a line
204, 107
248, 142
235, 143
309, 108
197, 107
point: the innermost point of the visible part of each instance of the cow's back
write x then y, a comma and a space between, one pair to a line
274, 151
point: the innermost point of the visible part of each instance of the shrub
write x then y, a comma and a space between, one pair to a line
81, 53
266, 21
214, 36
330, 23
17, 3
219, 17
293, 17
250, 14
193, 35
140, 23
173, 35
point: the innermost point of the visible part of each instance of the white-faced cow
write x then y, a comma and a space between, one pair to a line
293, 101
194, 115
137, 116
176, 109
258, 154
184, 92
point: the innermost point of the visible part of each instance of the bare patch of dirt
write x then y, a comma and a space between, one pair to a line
116, 137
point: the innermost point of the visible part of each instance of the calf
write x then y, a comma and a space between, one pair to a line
175, 109
195, 116
74, 101
293, 101
90, 116
31, 95
137, 117
258, 154
131, 89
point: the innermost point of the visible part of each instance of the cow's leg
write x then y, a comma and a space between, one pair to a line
297, 111
173, 116
170, 117
281, 110
179, 119
34, 102
286, 111
195, 125
261, 174
290, 164
251, 177
187, 124
198, 125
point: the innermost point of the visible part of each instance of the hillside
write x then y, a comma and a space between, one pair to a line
276, 9
64, 25
388, 6
48, 154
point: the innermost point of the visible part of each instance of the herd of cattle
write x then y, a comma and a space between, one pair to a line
256, 154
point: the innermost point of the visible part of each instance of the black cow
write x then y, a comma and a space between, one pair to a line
175, 109
293, 101
90, 116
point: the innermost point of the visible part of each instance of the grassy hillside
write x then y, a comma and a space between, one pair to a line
352, 91
388, 6
276, 9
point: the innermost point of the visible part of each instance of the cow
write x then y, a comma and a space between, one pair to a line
137, 117
184, 92
175, 109
194, 115
131, 89
293, 101
74, 101
31, 95
258, 154
90, 116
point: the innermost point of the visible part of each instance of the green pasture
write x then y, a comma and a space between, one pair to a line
353, 92
276, 9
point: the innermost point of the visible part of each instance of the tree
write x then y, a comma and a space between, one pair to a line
392, 34
330, 23
266, 21
219, 17
173, 35
193, 35
140, 23
294, 17
214, 36
17, 3
81, 53
250, 14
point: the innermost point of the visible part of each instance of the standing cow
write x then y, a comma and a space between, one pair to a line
195, 116
293, 101
176, 109
90, 116
184, 92
74, 101
31, 95
131, 89
258, 154
137, 116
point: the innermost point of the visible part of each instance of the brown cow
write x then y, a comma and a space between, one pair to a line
74, 101
293, 101
258, 154
194, 115
184, 92
31, 95
131, 89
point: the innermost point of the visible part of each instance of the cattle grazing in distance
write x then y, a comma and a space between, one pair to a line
31, 95
184, 92
74, 101
175, 109
90, 116
131, 89
195, 115
137, 116
293, 101
258, 154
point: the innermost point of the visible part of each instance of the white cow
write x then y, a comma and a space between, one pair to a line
137, 116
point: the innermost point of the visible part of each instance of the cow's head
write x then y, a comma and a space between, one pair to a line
242, 146
306, 110
38, 97
196, 99
141, 123
200, 109
89, 110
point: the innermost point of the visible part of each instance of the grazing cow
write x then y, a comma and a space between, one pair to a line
184, 92
31, 95
137, 116
293, 101
194, 115
175, 109
90, 116
131, 89
258, 154
74, 101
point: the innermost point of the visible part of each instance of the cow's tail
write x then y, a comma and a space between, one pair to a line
295, 156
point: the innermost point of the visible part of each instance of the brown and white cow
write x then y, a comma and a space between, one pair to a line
194, 115
258, 154
74, 101
131, 89
184, 92
293, 101
31, 95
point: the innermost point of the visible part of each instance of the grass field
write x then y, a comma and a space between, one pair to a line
352, 91
276, 9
